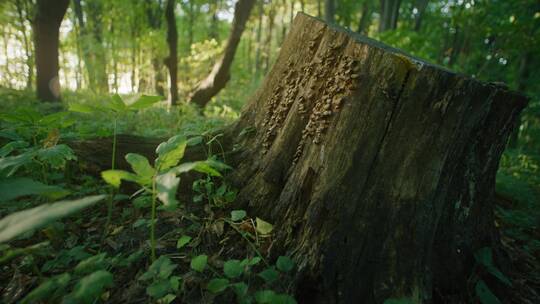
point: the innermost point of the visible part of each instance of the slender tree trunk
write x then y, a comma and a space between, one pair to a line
172, 60
329, 10
258, 40
421, 6
26, 41
268, 43
47, 22
319, 9
389, 15
365, 18
220, 74
214, 29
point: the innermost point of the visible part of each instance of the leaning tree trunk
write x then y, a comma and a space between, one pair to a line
220, 74
49, 15
376, 169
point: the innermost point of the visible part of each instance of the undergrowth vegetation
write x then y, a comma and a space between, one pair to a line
76, 238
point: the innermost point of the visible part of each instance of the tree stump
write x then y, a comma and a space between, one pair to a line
376, 168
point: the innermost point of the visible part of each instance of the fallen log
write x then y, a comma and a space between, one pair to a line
376, 168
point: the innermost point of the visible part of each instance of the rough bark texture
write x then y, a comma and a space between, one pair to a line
172, 60
220, 74
377, 169
49, 15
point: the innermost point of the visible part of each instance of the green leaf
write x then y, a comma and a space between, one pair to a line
116, 104
265, 296
170, 152
141, 167
90, 287
233, 269
284, 264
158, 288
263, 227
183, 241
161, 268
12, 146
240, 289
21, 186
166, 187
81, 108
46, 289
484, 257
217, 285
237, 215
56, 156
115, 177
198, 263
199, 166
21, 222
144, 102
9, 165
269, 275
484, 294
91, 264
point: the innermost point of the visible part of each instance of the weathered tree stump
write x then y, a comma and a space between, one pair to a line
377, 169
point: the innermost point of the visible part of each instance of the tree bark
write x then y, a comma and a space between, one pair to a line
389, 15
49, 15
172, 60
377, 169
220, 74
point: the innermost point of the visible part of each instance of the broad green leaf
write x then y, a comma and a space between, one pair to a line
158, 288
166, 187
240, 289
91, 264
9, 165
81, 108
237, 215
195, 140
484, 256
217, 285
183, 241
199, 166
233, 269
198, 263
170, 152
21, 186
284, 264
269, 275
144, 101
115, 177
46, 289
263, 227
21, 222
265, 296
12, 146
484, 294
56, 156
160, 268
116, 104
90, 288
141, 167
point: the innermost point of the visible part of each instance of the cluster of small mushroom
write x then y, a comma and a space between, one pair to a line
336, 87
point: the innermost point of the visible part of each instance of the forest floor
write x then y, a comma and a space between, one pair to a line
206, 252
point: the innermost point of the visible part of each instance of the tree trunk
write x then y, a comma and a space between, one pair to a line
269, 32
258, 39
365, 18
220, 74
377, 169
28, 52
329, 10
172, 60
49, 15
420, 6
389, 15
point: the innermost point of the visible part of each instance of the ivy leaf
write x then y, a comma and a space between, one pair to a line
166, 187
263, 227
21, 186
21, 222
90, 287
484, 294
269, 275
217, 285
233, 269
141, 167
237, 215
144, 102
284, 264
198, 263
183, 241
